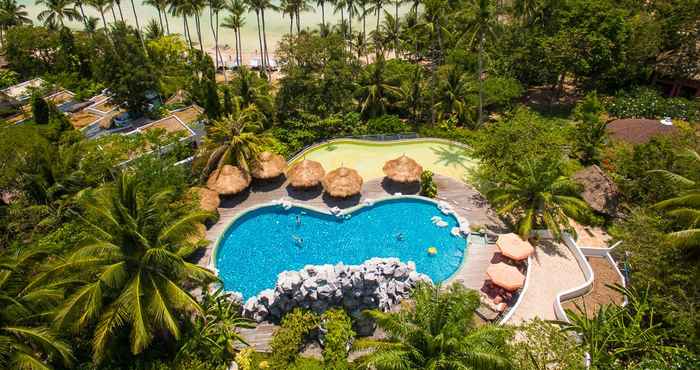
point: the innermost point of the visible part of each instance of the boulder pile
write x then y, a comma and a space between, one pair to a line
377, 283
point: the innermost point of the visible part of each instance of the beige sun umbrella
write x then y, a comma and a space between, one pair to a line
229, 180
342, 182
403, 169
268, 166
513, 247
208, 199
305, 174
506, 276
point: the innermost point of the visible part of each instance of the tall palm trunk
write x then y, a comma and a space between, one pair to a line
262, 59
377, 28
216, 41
199, 32
114, 15
138, 27
216, 18
350, 20
291, 24
167, 25
323, 14
82, 14
119, 6
298, 22
481, 78
186, 28
104, 21
267, 56
240, 47
160, 18
396, 19
342, 21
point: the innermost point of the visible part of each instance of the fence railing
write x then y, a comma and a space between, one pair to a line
378, 137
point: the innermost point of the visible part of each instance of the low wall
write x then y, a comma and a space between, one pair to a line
512, 310
579, 290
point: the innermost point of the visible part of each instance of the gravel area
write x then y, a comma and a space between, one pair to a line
605, 274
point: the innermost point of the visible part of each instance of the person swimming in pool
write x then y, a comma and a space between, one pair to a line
399, 237
298, 220
298, 240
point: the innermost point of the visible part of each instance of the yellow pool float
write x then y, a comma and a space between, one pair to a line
432, 251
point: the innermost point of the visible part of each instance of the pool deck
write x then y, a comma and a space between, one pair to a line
465, 201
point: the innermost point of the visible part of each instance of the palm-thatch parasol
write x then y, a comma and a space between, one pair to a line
513, 247
268, 165
208, 199
229, 180
506, 276
403, 169
305, 174
342, 182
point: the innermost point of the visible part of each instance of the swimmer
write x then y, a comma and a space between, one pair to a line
399, 237
298, 220
298, 240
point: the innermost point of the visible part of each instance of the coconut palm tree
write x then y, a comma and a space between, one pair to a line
339, 6
235, 21
483, 26
138, 27
134, 270
375, 92
437, 333
235, 139
160, 7
288, 7
153, 30
452, 90
216, 6
182, 8
101, 6
322, 4
56, 12
24, 342
257, 6
377, 6
685, 208
119, 7
536, 193
12, 14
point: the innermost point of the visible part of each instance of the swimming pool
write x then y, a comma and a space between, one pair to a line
367, 157
263, 242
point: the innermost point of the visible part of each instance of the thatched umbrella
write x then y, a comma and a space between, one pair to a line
208, 199
229, 180
268, 165
305, 174
513, 247
403, 169
506, 276
342, 182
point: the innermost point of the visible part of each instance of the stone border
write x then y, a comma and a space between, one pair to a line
580, 290
219, 239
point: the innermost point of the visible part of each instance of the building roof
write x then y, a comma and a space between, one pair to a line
638, 130
599, 190
22, 91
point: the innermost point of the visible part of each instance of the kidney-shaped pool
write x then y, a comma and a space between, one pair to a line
265, 241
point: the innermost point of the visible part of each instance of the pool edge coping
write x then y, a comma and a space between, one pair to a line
217, 243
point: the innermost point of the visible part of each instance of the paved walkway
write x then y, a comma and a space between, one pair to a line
554, 270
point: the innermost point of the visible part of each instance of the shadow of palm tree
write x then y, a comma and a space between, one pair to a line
449, 156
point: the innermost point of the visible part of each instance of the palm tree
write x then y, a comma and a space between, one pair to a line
24, 343
257, 6
138, 27
377, 6
452, 90
12, 14
397, 4
375, 92
153, 30
289, 7
352, 10
235, 21
339, 6
119, 7
56, 12
183, 9
235, 139
160, 7
437, 333
101, 6
537, 194
322, 4
685, 208
215, 6
482, 26
133, 271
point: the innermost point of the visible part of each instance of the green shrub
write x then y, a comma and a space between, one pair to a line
648, 103
338, 335
387, 124
288, 340
427, 185
40, 110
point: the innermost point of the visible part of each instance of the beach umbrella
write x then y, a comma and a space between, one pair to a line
305, 174
506, 276
229, 180
403, 169
208, 199
513, 247
342, 182
268, 165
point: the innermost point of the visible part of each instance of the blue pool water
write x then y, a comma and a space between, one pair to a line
266, 241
